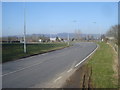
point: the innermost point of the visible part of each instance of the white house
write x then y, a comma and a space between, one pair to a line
53, 39
40, 40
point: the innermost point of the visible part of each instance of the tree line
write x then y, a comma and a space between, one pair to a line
114, 32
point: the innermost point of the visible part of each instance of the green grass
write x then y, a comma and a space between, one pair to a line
102, 69
15, 51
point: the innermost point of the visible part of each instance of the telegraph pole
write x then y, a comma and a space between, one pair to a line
24, 29
68, 39
50, 37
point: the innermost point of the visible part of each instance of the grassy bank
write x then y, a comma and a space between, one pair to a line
102, 67
15, 51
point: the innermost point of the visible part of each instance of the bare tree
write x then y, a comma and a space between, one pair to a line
113, 32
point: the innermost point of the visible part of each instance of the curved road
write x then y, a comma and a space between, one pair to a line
40, 69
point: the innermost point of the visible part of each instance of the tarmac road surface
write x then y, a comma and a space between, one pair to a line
40, 69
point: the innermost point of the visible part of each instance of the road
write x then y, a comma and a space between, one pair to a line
38, 70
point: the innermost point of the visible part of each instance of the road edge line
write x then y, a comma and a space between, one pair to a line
58, 78
87, 56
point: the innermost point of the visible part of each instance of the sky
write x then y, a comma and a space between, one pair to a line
58, 17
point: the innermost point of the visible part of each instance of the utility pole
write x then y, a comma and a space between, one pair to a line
24, 29
50, 37
68, 39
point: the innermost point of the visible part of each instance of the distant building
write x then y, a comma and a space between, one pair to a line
53, 39
40, 40
29, 39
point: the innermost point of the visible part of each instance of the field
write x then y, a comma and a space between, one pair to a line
15, 51
103, 74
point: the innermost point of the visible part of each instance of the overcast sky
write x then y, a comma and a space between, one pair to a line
58, 17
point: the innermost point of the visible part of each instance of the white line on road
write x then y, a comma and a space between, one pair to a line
86, 57
57, 78
69, 70
21, 69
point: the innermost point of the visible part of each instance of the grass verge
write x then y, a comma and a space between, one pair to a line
15, 51
102, 67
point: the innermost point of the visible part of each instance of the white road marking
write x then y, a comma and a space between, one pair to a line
86, 57
69, 70
21, 69
57, 78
